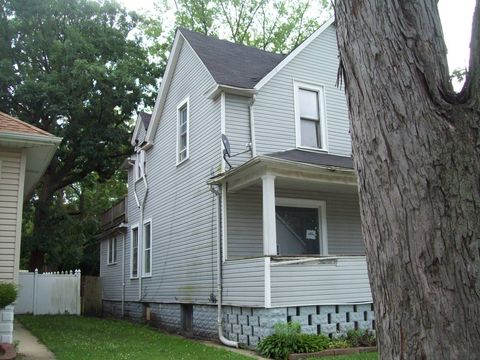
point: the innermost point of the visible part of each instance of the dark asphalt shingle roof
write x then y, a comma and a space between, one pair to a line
232, 64
315, 158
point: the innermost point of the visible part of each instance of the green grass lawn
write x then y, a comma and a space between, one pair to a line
75, 338
361, 356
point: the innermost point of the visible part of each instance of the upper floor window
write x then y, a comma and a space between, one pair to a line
183, 118
112, 251
310, 117
139, 170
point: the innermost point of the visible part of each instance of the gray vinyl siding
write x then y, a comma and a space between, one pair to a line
244, 282
237, 126
343, 281
111, 275
179, 202
244, 223
245, 231
10, 189
274, 108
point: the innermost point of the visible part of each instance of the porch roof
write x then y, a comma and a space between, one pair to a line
291, 164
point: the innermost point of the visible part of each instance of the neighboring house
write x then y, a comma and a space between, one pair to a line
286, 215
25, 152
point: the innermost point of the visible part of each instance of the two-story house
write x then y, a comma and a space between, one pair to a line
242, 204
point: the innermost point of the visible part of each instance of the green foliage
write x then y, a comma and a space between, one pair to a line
80, 338
277, 25
77, 69
8, 294
339, 344
287, 339
361, 338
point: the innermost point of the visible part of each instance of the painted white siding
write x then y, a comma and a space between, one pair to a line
274, 111
11, 193
342, 281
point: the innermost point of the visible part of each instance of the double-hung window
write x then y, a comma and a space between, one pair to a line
183, 119
112, 251
147, 248
310, 118
134, 253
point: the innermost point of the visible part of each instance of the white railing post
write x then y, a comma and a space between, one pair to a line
78, 275
35, 277
269, 223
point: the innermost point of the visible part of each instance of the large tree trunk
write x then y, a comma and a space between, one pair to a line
416, 148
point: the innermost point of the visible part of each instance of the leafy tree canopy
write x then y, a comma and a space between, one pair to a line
77, 69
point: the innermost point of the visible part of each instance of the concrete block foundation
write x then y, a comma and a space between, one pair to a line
245, 324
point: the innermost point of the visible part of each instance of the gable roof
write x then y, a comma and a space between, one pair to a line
232, 64
229, 64
13, 125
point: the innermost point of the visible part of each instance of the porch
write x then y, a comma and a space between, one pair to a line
292, 233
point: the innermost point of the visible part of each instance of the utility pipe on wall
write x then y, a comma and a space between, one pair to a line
223, 339
141, 205
252, 126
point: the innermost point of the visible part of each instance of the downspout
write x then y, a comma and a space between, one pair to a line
222, 338
123, 275
141, 205
252, 126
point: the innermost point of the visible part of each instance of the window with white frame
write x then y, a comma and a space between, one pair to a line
112, 251
183, 117
147, 248
139, 170
310, 118
134, 253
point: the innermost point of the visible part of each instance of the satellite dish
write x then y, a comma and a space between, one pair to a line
226, 146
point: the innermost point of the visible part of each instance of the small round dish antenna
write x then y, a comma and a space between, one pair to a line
226, 146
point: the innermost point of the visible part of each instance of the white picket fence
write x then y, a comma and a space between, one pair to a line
49, 293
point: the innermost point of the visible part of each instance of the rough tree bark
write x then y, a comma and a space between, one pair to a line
416, 148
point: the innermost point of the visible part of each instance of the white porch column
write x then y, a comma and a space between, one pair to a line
269, 222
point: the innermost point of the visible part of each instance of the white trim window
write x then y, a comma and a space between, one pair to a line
139, 169
134, 253
183, 125
310, 120
112, 251
147, 248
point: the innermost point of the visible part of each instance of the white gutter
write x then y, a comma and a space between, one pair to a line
29, 138
222, 338
252, 126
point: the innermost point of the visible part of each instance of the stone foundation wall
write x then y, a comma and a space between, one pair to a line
6, 324
248, 325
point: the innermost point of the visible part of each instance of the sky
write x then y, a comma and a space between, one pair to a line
456, 17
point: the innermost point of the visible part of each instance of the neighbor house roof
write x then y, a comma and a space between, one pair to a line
38, 146
13, 125
232, 64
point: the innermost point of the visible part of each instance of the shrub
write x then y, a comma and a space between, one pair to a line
339, 344
287, 339
8, 294
359, 338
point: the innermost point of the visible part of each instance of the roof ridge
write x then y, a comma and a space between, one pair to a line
181, 28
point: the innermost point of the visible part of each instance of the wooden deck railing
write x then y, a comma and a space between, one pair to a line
115, 215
